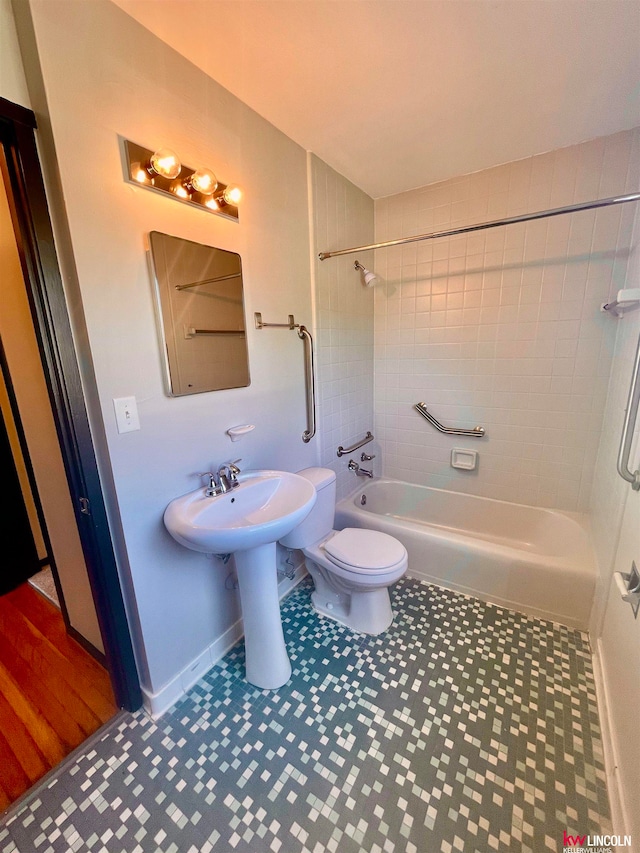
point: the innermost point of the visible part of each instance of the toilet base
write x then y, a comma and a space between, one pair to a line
367, 612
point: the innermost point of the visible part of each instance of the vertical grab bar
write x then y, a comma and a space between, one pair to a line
310, 383
630, 415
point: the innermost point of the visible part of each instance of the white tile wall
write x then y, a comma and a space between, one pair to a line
502, 327
609, 489
342, 216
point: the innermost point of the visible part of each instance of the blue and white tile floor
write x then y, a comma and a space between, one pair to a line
465, 727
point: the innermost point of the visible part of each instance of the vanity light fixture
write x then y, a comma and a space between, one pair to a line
162, 171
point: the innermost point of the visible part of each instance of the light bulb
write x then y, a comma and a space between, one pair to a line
232, 194
165, 163
181, 192
203, 181
139, 174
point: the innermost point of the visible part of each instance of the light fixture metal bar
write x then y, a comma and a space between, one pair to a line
467, 229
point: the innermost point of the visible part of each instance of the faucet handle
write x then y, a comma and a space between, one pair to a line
365, 457
213, 488
232, 469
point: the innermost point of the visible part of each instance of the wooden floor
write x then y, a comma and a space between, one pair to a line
53, 694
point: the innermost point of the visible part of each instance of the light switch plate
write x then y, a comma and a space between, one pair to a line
126, 414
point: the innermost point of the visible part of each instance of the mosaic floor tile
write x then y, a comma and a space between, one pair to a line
465, 727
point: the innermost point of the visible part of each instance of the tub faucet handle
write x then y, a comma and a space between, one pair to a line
365, 457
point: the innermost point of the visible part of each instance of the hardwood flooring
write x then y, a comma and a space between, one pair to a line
53, 694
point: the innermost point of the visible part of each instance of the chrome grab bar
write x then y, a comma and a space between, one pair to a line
476, 432
310, 383
344, 450
630, 416
309, 368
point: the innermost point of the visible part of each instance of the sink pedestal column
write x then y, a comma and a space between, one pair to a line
267, 661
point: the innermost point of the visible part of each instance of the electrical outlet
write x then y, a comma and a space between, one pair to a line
126, 414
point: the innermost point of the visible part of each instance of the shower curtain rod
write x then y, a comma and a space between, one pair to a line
525, 217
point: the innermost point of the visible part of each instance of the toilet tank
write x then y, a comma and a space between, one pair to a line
319, 522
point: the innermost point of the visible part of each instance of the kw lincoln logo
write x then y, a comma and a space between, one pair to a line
594, 843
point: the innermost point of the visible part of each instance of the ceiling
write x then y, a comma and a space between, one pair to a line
396, 94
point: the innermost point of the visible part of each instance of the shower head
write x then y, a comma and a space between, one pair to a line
369, 278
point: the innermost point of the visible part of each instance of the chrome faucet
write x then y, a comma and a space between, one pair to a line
361, 472
228, 476
224, 480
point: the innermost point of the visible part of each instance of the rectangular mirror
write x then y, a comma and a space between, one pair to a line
201, 309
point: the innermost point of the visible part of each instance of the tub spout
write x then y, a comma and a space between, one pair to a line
361, 472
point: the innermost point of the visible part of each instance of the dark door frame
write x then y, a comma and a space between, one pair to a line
34, 236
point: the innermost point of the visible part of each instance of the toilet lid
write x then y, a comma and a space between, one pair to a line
364, 550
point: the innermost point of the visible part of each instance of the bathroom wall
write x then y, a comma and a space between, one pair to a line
104, 76
342, 215
610, 491
502, 328
13, 85
615, 521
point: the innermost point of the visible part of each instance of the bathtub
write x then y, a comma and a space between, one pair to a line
537, 561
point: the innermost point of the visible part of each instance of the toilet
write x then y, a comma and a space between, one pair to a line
352, 569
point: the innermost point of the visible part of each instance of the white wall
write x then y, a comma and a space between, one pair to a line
105, 75
342, 215
609, 490
615, 519
502, 328
13, 85
619, 657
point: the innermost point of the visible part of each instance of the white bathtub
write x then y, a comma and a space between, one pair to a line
537, 561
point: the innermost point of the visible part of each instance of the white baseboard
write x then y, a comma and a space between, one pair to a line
157, 704
611, 761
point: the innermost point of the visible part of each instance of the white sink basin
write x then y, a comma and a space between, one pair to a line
247, 521
262, 509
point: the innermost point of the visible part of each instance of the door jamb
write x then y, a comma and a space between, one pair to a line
34, 237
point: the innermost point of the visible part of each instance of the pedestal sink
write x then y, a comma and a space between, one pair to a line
247, 521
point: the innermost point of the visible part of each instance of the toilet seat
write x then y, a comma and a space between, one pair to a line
364, 552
